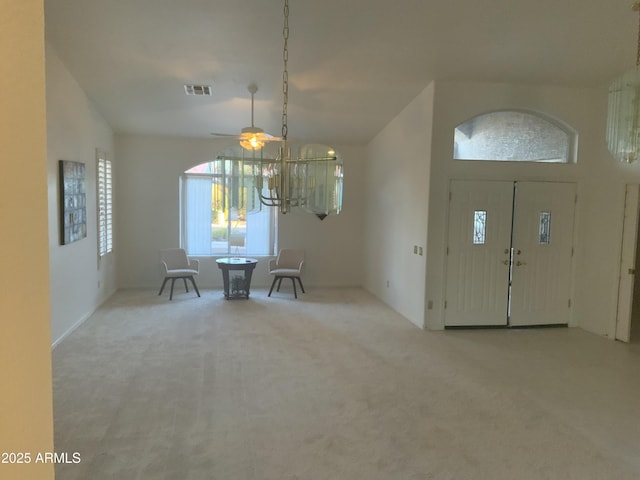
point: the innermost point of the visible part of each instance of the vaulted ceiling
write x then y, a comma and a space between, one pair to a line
353, 64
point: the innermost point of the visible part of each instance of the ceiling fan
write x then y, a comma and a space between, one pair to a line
251, 138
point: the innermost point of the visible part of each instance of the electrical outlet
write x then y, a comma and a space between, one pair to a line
415, 249
430, 305
420, 251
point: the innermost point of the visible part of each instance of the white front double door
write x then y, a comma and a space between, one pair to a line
509, 253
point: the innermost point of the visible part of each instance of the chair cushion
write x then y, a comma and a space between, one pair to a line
286, 272
181, 272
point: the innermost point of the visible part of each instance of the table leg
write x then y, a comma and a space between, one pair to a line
247, 280
225, 282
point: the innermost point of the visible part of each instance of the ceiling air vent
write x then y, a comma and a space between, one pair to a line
198, 89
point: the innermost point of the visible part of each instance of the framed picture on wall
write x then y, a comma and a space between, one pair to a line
73, 202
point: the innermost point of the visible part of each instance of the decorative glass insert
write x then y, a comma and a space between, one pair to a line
544, 230
513, 135
479, 227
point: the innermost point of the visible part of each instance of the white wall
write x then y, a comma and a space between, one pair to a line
397, 196
74, 131
600, 186
408, 172
147, 190
26, 413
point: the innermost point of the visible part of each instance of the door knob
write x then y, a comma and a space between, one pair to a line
519, 263
505, 262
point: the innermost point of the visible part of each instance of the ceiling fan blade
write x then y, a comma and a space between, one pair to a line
252, 130
232, 135
267, 138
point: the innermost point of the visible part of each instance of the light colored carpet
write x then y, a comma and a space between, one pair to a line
335, 385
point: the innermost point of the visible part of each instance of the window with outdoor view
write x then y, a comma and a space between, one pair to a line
221, 212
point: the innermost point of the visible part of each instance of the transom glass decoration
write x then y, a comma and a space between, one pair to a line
544, 229
512, 135
479, 227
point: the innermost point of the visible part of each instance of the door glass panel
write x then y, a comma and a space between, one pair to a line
479, 227
544, 230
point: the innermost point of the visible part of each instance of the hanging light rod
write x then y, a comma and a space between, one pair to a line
253, 138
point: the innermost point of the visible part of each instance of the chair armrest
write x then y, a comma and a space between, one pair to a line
300, 266
195, 264
272, 264
164, 265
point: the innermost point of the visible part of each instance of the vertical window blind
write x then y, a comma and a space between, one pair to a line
105, 205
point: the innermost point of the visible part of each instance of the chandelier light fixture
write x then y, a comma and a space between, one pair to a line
255, 176
623, 119
313, 179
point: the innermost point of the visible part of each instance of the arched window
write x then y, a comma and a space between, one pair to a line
516, 136
221, 212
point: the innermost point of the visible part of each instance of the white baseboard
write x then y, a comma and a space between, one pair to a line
71, 330
83, 319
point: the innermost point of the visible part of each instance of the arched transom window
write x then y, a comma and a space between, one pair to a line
514, 135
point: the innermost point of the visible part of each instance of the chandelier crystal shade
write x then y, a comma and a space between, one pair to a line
623, 119
311, 181
256, 178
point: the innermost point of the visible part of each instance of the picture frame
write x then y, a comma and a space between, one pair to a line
73, 201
